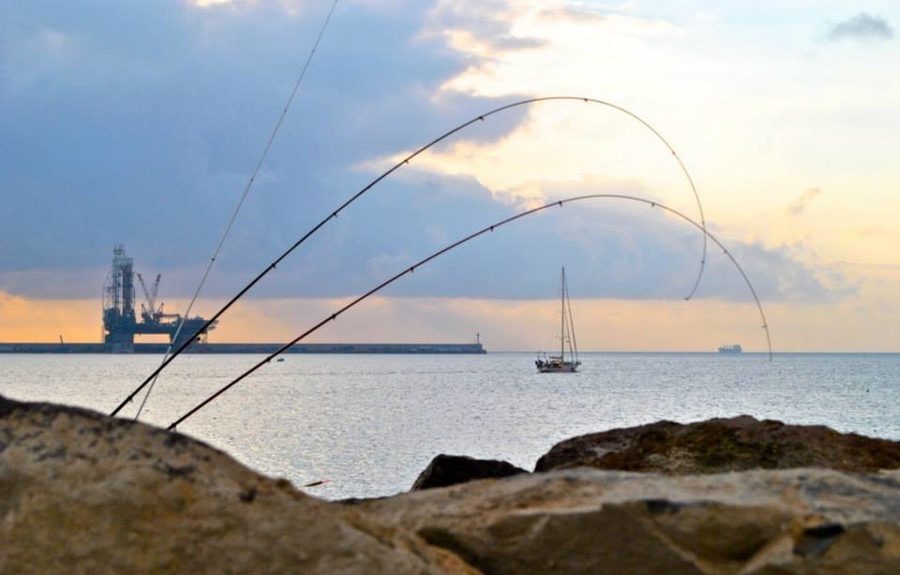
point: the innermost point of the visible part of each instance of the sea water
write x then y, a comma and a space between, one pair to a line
370, 423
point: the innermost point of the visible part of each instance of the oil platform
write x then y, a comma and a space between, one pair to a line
120, 323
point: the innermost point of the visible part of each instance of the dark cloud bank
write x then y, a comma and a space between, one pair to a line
131, 123
864, 27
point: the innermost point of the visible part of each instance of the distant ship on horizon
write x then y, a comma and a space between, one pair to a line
733, 348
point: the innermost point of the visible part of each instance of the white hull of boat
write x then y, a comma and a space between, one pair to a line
557, 366
558, 369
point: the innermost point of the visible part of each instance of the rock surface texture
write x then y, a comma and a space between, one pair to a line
83, 493
445, 470
806, 521
719, 445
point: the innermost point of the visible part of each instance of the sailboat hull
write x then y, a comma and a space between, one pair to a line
551, 366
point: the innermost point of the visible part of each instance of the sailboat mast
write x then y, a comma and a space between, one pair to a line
562, 316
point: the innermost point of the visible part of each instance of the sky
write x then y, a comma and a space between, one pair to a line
140, 123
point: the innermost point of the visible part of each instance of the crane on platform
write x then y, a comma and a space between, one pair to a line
149, 312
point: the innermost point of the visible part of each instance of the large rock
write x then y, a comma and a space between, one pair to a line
83, 493
719, 445
445, 470
807, 521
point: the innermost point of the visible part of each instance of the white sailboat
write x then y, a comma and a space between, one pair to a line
560, 363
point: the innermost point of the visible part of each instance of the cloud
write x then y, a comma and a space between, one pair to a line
800, 204
145, 127
614, 249
208, 3
485, 27
863, 26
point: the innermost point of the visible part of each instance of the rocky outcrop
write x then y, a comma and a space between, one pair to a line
445, 470
719, 445
809, 521
83, 493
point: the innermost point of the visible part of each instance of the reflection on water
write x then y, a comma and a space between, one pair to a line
371, 423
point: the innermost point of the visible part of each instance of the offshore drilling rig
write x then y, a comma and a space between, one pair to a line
120, 324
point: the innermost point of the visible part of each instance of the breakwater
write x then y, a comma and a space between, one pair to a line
258, 348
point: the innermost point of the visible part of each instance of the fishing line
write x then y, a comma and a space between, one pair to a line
234, 215
488, 229
398, 165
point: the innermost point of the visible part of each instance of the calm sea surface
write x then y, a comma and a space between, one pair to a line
371, 423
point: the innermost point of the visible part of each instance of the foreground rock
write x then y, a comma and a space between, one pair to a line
445, 470
588, 521
80, 492
718, 445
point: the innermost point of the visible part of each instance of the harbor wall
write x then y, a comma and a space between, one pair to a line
258, 348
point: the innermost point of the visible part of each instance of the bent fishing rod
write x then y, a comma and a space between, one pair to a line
481, 118
456, 244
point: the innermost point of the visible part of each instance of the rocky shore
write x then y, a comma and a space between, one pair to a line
84, 493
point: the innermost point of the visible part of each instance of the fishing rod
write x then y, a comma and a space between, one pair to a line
237, 209
488, 229
188, 341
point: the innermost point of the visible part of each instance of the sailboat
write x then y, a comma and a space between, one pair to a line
560, 363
